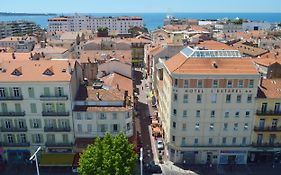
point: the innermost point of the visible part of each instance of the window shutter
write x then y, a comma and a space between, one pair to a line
39, 123
31, 123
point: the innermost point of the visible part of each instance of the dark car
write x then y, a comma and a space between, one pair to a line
152, 168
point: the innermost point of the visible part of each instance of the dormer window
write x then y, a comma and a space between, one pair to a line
48, 72
17, 72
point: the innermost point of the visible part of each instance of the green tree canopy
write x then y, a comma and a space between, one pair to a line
108, 156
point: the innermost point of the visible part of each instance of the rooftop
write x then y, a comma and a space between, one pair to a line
36, 71
123, 56
214, 45
270, 88
180, 64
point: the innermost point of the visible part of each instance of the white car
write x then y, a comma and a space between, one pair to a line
160, 144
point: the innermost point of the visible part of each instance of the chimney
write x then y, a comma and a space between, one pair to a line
13, 55
69, 68
98, 96
117, 86
261, 80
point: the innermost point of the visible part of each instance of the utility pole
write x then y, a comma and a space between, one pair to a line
141, 158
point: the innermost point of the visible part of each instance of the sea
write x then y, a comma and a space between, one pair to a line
154, 20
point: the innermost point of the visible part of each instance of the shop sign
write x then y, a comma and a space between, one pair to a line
59, 150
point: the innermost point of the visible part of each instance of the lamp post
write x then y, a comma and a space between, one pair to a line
34, 157
141, 158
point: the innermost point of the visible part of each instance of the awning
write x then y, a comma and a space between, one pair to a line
56, 159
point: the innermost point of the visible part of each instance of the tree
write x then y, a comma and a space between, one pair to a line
110, 155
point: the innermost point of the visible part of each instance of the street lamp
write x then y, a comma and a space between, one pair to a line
34, 157
141, 158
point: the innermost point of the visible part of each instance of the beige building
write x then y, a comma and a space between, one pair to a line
98, 111
206, 104
36, 101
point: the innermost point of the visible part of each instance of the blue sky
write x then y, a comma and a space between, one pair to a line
167, 6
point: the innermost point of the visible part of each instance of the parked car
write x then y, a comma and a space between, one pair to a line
160, 144
152, 168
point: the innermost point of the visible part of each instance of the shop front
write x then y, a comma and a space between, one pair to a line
264, 156
233, 157
18, 156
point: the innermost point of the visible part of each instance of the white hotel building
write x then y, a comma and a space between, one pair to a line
206, 104
120, 25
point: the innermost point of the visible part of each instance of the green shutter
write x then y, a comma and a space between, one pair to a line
6, 92
46, 91
4, 107
33, 138
18, 107
39, 123
44, 107
42, 138
33, 108
18, 138
31, 92
11, 92
5, 138
31, 123
56, 91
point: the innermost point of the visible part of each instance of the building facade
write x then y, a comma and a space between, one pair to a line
206, 104
119, 25
36, 107
17, 28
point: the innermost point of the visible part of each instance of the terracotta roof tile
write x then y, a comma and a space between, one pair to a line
214, 45
270, 88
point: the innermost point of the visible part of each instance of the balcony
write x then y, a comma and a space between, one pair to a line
53, 98
213, 145
267, 129
268, 113
16, 114
11, 98
55, 129
13, 129
255, 144
53, 144
6, 144
51, 113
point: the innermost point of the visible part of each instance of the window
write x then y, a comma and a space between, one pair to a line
186, 84
10, 138
184, 113
237, 114
31, 92
46, 91
65, 138
196, 141
215, 83
115, 127
197, 126
78, 116
199, 98
274, 123
249, 98
228, 98
197, 113
2, 92
175, 97
35, 123
244, 139
185, 98
229, 83
234, 140
238, 99
246, 126
226, 114
33, 108
251, 83
183, 141
184, 126
277, 108
173, 138
212, 113
88, 116
247, 114
214, 98
240, 84
199, 83
224, 140
114, 116
211, 126
210, 141
176, 83
128, 125
59, 91
38, 138
22, 138
16, 91
235, 127
175, 112
79, 128
174, 125
102, 116
225, 125
21, 124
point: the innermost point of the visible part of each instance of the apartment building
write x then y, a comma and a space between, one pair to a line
206, 105
19, 44
98, 111
36, 106
17, 28
266, 136
119, 25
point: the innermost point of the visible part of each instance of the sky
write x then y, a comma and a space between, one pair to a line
115, 6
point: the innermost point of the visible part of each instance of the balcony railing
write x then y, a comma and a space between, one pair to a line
12, 98
7, 144
270, 112
53, 98
46, 113
13, 129
267, 128
213, 145
19, 114
56, 129
53, 144
255, 144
